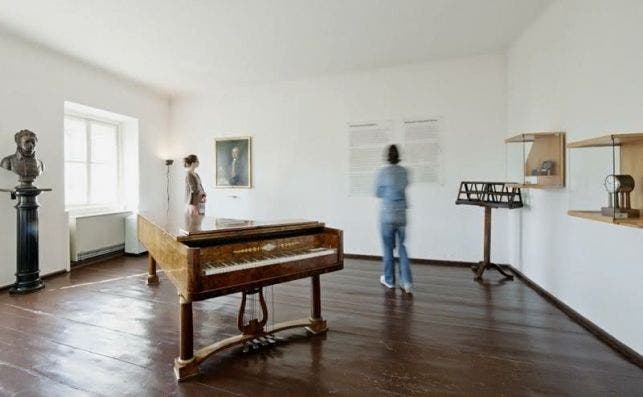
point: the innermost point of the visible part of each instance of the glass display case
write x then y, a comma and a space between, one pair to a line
606, 179
536, 160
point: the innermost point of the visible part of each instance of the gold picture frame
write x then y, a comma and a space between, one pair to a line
233, 162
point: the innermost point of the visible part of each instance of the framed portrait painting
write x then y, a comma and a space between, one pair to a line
233, 159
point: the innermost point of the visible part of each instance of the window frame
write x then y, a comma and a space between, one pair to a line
88, 206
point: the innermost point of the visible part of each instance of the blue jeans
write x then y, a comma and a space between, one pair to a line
390, 233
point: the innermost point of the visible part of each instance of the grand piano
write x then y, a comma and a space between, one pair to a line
207, 257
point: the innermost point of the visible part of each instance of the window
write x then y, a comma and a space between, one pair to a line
92, 164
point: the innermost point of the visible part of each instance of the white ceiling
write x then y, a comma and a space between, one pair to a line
186, 46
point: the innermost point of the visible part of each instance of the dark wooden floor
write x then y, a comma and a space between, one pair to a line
101, 331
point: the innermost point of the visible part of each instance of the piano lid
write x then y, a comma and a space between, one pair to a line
199, 227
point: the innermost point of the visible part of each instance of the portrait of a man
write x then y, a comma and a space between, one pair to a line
233, 162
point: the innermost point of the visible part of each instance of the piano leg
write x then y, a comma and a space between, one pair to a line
186, 366
317, 323
152, 277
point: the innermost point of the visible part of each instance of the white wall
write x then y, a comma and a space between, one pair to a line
35, 84
579, 69
300, 151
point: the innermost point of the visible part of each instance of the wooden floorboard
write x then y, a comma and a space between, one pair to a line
100, 330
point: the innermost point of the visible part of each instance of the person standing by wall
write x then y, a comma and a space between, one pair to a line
194, 193
391, 184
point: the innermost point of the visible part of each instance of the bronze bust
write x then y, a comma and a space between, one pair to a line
24, 162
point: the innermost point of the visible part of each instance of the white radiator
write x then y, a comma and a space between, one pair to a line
95, 235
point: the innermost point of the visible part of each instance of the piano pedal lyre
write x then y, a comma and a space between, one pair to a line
254, 326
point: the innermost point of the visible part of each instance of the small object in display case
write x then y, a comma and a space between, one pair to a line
546, 168
538, 162
618, 189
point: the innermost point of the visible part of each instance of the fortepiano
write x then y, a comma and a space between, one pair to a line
207, 257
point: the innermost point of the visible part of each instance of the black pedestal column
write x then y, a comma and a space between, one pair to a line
27, 269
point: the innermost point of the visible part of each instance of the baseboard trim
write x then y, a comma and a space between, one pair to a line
434, 262
44, 277
602, 335
76, 265
422, 261
54, 274
616, 345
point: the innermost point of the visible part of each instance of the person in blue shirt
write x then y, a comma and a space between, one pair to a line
391, 184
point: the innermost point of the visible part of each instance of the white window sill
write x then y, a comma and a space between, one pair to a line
89, 214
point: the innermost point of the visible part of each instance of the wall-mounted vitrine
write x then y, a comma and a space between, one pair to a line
606, 179
537, 160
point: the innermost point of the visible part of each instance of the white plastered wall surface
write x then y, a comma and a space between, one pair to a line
578, 69
300, 150
35, 84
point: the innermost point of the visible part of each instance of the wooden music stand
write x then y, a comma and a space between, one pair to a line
489, 195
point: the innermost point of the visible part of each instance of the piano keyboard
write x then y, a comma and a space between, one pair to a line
266, 260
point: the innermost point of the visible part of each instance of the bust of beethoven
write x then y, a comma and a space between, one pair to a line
24, 161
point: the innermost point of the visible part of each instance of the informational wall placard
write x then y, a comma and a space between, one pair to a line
366, 144
422, 149
419, 141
